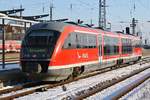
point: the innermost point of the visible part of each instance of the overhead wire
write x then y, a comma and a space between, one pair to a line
143, 6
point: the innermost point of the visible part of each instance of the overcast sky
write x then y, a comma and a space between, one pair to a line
117, 10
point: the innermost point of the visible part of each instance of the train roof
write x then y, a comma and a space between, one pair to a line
59, 26
129, 36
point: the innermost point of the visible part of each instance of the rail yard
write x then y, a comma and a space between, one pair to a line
73, 89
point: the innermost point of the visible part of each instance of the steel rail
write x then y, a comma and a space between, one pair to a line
101, 86
123, 91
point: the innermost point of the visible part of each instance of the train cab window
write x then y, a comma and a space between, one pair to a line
111, 45
42, 38
40, 42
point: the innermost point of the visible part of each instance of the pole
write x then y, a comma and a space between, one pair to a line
109, 26
3, 44
133, 26
30, 24
104, 6
25, 26
51, 11
134, 22
102, 14
21, 11
99, 23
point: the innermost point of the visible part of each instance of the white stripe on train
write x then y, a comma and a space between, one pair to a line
87, 63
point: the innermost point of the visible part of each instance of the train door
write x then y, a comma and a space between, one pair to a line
100, 48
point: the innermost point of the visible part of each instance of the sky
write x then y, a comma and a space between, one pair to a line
87, 10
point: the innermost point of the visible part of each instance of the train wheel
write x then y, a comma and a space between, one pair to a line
70, 77
77, 71
113, 67
134, 62
39, 68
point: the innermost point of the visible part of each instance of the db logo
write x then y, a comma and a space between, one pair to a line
84, 55
33, 56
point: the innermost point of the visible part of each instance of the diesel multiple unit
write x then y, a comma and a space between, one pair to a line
55, 51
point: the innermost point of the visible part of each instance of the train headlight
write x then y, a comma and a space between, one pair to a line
26, 55
43, 55
34, 56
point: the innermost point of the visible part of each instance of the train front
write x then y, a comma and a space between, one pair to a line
37, 48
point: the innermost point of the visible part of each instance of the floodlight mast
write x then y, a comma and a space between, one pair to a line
102, 14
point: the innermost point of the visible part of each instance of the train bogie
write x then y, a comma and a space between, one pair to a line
52, 75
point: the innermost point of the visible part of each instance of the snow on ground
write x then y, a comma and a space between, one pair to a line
57, 93
142, 92
113, 90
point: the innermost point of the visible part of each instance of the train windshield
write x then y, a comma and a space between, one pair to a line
40, 42
42, 38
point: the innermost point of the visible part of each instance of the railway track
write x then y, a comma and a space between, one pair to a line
25, 90
104, 85
129, 87
141, 92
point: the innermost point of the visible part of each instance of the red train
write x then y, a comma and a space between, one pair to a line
55, 51
11, 46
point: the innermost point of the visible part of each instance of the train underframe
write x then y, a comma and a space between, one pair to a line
41, 71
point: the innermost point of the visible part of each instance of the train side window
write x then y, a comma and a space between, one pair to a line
137, 43
106, 45
70, 42
84, 40
91, 41
111, 45
80, 40
67, 43
77, 40
126, 46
